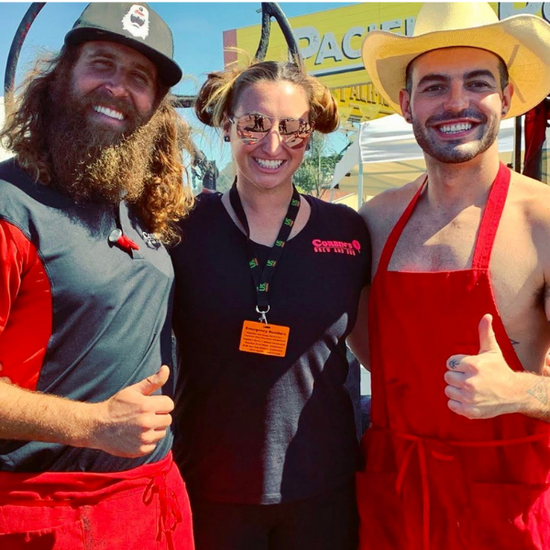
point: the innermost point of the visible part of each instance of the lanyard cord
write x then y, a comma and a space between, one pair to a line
262, 277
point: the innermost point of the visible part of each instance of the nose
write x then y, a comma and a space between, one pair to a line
116, 84
457, 98
273, 141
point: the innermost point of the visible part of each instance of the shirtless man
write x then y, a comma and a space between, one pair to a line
458, 454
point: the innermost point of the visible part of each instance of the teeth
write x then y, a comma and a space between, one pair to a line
455, 128
108, 112
264, 163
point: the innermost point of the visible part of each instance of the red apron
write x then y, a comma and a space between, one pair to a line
146, 507
433, 479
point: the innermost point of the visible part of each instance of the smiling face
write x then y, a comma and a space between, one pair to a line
268, 163
456, 103
116, 85
103, 118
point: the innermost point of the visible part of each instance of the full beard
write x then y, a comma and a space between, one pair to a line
94, 162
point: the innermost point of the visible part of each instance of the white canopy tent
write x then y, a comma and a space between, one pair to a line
385, 154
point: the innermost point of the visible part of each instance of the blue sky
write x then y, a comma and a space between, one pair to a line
198, 34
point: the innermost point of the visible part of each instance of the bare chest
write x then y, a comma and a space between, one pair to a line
437, 243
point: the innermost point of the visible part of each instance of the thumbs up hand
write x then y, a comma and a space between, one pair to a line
132, 422
482, 385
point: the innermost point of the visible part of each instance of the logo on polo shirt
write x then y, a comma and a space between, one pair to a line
136, 21
336, 247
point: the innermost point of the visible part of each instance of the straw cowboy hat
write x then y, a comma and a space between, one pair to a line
522, 41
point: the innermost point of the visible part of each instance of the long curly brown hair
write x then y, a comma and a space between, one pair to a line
166, 197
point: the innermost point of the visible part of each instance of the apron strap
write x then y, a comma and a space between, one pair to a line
169, 512
391, 242
491, 219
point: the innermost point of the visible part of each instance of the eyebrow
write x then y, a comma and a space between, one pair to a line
480, 73
257, 113
100, 51
440, 77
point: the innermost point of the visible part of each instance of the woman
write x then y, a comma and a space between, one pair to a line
267, 285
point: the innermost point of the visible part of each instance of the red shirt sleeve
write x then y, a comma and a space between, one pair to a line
14, 257
25, 308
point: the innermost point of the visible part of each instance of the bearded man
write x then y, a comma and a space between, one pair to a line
88, 204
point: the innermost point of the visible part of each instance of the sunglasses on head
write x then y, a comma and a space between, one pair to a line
253, 127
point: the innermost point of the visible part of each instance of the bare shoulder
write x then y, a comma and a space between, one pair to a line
532, 198
382, 211
527, 218
533, 194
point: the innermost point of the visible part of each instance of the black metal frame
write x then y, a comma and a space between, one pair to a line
269, 10
15, 49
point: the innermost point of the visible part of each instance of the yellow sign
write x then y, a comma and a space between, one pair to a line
330, 43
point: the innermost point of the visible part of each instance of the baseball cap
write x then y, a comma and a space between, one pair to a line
134, 25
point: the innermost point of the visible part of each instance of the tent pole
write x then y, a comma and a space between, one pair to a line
360, 184
517, 144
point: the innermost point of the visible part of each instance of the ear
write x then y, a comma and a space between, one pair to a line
507, 95
405, 104
226, 127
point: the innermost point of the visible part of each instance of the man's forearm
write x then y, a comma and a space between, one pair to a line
33, 416
534, 396
128, 424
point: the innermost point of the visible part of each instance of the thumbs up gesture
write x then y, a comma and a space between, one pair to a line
132, 422
482, 385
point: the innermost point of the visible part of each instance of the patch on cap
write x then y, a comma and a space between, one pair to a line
136, 21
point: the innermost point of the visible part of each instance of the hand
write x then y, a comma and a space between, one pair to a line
133, 421
481, 386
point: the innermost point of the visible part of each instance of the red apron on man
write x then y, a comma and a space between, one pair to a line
81, 510
446, 467
435, 480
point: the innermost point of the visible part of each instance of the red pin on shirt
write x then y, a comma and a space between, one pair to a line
122, 240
